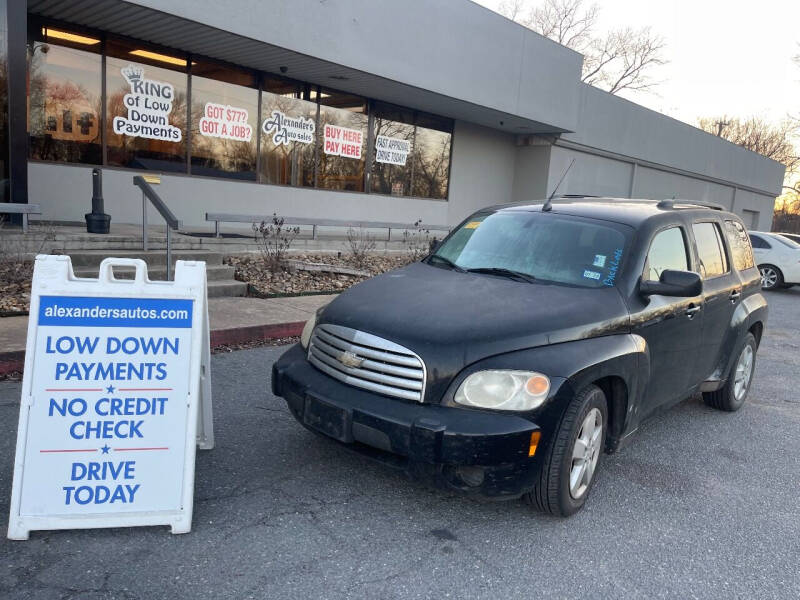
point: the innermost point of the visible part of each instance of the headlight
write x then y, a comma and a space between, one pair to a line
308, 328
504, 390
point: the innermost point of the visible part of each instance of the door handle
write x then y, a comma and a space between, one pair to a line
692, 310
735, 295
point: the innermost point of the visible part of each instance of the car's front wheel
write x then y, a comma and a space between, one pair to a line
771, 277
572, 458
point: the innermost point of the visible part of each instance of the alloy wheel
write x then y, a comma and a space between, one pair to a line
743, 373
769, 277
585, 453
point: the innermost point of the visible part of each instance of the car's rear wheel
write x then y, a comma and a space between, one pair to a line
573, 455
771, 277
732, 395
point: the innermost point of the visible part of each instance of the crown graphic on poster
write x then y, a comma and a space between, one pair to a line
133, 73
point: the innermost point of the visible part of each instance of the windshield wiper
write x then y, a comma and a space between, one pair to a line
511, 274
446, 261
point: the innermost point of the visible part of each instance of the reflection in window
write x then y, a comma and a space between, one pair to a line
740, 245
342, 141
393, 140
432, 157
65, 99
146, 109
224, 122
288, 133
4, 193
710, 249
667, 251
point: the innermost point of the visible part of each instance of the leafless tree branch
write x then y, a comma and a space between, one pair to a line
622, 59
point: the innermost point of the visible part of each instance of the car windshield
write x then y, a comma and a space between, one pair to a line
534, 246
786, 241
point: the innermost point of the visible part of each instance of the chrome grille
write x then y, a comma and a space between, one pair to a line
367, 361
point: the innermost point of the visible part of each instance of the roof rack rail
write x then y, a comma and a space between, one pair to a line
671, 204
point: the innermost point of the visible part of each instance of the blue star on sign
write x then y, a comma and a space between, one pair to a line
105, 449
110, 389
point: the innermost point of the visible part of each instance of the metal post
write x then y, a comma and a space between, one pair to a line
144, 222
389, 237
216, 228
313, 232
24, 222
169, 255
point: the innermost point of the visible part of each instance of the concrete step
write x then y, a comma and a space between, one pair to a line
153, 258
219, 289
159, 273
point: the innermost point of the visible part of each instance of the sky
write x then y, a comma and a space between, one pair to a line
729, 57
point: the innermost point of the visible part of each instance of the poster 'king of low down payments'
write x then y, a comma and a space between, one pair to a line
115, 396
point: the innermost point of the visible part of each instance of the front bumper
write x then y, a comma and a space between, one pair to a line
460, 448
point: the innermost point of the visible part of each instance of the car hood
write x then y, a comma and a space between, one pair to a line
452, 319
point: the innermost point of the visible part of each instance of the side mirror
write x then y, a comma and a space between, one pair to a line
673, 283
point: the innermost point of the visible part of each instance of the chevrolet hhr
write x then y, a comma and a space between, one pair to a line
531, 341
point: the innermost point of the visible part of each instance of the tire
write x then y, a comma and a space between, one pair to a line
553, 493
731, 396
771, 277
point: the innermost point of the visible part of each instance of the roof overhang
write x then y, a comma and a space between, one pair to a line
178, 32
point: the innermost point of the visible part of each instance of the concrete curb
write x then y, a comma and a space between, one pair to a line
15, 360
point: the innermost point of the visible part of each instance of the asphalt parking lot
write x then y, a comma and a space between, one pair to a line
702, 504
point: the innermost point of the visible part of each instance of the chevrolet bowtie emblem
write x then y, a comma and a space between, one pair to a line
349, 359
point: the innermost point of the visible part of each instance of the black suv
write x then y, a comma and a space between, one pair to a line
531, 340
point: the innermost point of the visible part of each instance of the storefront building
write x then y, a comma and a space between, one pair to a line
342, 109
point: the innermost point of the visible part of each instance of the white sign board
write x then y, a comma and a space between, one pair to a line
225, 121
116, 394
149, 104
285, 129
393, 151
342, 141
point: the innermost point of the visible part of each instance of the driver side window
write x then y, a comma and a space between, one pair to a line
667, 251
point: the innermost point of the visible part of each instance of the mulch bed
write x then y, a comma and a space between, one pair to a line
15, 278
15, 288
252, 269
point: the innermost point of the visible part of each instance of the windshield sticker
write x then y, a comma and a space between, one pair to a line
472, 225
613, 267
599, 260
591, 274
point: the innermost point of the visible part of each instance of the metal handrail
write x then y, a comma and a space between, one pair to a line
148, 193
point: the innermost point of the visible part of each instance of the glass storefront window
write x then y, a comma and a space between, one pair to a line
4, 188
342, 142
301, 135
146, 108
432, 157
65, 96
288, 134
393, 141
224, 121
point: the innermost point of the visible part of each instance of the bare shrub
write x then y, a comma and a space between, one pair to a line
417, 241
361, 243
274, 240
18, 251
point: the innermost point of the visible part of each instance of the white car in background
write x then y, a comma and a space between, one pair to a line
778, 259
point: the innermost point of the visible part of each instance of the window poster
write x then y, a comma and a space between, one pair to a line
285, 129
223, 121
149, 104
393, 151
341, 141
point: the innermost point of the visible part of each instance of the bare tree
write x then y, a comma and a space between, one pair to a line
622, 59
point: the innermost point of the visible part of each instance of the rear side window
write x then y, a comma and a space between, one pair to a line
667, 251
710, 250
740, 245
759, 242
